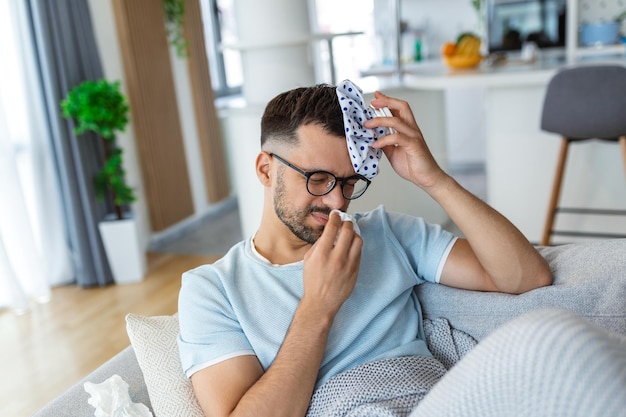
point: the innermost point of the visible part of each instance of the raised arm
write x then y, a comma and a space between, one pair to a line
493, 255
239, 387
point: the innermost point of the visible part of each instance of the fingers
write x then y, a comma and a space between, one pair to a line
334, 264
403, 135
399, 108
327, 239
347, 247
336, 233
346, 236
403, 120
354, 252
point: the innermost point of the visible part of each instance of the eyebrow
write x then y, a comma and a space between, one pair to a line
354, 174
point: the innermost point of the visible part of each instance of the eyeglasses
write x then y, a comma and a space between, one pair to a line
320, 183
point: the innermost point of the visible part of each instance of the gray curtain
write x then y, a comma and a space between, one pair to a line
67, 55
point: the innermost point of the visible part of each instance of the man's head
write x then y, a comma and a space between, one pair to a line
290, 110
302, 131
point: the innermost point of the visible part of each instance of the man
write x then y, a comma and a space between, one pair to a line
308, 298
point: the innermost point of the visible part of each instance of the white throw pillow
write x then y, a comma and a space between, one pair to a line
154, 342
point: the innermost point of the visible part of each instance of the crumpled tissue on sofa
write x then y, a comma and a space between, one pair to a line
110, 399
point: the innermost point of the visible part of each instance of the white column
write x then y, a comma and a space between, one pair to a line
274, 40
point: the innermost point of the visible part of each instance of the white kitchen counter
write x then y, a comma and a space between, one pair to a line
435, 75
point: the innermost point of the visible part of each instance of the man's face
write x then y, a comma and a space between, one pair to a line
306, 215
296, 218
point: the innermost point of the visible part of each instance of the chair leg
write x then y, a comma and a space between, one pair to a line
556, 192
622, 142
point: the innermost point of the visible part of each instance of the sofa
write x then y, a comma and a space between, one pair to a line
589, 280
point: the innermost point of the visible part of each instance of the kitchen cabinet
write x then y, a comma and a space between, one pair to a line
573, 47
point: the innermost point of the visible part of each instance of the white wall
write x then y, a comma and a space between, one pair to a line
441, 21
242, 132
466, 137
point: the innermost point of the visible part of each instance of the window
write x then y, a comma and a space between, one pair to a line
351, 54
14, 99
220, 26
33, 248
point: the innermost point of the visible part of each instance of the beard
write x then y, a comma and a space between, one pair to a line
295, 219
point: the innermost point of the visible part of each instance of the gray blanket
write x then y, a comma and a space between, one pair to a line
546, 363
392, 387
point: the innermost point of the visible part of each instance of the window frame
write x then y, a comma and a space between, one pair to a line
215, 55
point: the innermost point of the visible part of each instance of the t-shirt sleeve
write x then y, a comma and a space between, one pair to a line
426, 245
209, 330
444, 259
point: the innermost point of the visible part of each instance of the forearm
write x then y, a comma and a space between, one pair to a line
285, 389
505, 254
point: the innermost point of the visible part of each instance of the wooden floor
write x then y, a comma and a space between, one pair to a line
47, 350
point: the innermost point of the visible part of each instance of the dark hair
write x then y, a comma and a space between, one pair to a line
286, 112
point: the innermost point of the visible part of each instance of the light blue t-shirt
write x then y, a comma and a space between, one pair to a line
243, 305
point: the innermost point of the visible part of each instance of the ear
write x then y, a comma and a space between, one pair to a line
264, 168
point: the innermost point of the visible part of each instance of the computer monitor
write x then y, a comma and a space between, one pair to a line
510, 23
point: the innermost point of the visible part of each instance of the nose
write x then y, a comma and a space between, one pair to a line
334, 199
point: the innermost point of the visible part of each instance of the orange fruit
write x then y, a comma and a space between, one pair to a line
448, 49
462, 61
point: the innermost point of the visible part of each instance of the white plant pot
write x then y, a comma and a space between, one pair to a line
121, 244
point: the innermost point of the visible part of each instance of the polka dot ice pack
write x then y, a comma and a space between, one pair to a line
364, 158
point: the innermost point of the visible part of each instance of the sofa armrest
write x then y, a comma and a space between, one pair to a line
589, 280
73, 402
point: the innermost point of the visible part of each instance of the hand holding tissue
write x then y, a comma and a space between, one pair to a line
345, 217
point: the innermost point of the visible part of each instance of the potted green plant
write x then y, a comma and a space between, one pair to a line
100, 107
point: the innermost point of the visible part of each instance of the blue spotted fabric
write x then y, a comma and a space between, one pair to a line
365, 159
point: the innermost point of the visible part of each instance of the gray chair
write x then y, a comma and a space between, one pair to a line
583, 103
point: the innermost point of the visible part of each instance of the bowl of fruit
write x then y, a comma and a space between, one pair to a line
465, 53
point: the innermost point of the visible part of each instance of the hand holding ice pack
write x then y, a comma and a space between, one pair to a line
111, 399
359, 138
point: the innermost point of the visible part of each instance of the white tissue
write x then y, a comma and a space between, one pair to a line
111, 399
345, 217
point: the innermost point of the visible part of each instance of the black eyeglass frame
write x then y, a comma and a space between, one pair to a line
343, 181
